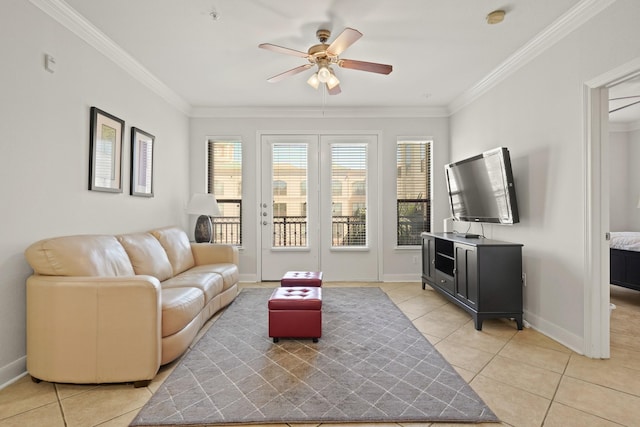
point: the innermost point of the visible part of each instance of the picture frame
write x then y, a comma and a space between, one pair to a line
142, 149
105, 153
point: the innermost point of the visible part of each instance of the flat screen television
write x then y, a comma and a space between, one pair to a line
481, 188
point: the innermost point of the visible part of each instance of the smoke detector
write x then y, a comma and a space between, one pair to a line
495, 17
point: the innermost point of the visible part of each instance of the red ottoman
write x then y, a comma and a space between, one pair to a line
302, 278
295, 312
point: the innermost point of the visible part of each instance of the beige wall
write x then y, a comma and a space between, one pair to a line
44, 152
538, 113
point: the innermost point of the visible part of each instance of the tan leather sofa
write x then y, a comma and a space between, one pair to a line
103, 308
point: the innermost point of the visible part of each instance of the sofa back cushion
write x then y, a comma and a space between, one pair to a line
176, 244
84, 255
146, 254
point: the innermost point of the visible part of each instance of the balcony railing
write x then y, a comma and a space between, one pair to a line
289, 231
348, 230
227, 229
414, 217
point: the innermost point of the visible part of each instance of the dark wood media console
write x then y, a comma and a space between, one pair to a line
482, 276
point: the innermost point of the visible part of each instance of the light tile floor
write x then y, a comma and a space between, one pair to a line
525, 377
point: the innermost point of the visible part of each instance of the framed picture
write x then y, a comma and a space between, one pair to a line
141, 163
105, 161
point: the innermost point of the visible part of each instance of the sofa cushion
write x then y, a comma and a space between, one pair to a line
209, 283
82, 255
146, 254
229, 272
176, 244
179, 307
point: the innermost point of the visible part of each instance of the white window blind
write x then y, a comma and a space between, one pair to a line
289, 203
413, 190
224, 172
349, 194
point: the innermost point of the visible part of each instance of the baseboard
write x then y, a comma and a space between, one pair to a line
555, 332
13, 372
248, 278
410, 277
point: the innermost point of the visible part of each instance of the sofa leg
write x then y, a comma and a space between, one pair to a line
315, 340
141, 383
36, 380
275, 340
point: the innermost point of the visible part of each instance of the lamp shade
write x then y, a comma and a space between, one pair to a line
313, 81
203, 204
324, 74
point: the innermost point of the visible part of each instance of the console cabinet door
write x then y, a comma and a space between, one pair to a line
466, 274
429, 258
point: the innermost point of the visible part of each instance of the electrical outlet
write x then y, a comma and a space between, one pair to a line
415, 259
524, 279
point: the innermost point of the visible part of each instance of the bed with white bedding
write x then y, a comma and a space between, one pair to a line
624, 257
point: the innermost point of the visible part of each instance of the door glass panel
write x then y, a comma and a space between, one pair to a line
348, 195
289, 195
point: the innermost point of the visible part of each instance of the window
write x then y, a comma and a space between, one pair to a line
413, 190
279, 209
336, 188
289, 173
348, 166
279, 188
358, 188
224, 178
218, 188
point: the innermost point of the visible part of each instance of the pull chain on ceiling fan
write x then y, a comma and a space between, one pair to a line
324, 56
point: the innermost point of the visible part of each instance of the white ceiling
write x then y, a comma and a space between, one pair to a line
625, 101
438, 48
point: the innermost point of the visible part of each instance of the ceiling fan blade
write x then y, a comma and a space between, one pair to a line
291, 72
372, 67
346, 38
285, 50
336, 90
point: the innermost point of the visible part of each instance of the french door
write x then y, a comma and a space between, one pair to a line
319, 206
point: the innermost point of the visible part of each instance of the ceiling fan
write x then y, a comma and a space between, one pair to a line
324, 56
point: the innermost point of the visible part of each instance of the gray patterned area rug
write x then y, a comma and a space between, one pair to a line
371, 365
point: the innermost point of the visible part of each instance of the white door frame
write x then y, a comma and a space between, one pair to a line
377, 180
596, 178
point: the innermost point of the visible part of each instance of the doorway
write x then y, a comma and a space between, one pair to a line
319, 206
597, 268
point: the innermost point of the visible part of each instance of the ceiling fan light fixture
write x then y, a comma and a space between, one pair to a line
333, 81
313, 81
324, 74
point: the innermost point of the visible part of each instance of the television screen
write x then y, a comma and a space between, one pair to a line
481, 188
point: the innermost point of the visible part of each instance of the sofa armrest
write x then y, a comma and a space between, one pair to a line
93, 329
208, 253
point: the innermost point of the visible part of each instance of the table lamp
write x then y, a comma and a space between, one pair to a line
205, 205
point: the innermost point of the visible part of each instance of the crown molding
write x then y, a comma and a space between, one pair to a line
319, 112
77, 24
563, 26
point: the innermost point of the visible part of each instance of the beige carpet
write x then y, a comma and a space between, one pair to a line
371, 365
